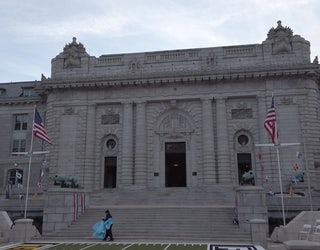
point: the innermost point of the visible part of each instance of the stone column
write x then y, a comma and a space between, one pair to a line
53, 119
127, 146
262, 114
89, 162
224, 175
263, 138
208, 142
140, 171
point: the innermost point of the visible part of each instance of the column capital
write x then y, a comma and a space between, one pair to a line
127, 101
92, 105
261, 95
141, 102
206, 98
220, 98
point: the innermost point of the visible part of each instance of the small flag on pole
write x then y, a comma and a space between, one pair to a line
260, 156
299, 155
270, 123
18, 175
291, 192
39, 129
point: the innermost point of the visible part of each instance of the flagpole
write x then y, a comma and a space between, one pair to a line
277, 146
308, 173
29, 168
271, 126
280, 182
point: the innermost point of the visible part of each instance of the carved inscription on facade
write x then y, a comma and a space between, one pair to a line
110, 119
241, 113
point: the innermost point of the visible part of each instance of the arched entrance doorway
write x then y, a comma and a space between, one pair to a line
175, 164
174, 160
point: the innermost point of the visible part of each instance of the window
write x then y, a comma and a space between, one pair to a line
2, 91
243, 140
29, 91
20, 122
15, 176
19, 145
111, 143
19, 134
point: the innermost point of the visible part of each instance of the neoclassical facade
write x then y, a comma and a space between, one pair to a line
182, 118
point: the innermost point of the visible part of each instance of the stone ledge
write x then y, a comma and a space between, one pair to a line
301, 245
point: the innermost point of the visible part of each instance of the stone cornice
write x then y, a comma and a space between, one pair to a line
245, 74
20, 100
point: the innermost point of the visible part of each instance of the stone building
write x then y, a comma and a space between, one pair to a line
188, 119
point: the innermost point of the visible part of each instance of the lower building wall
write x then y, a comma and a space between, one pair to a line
61, 208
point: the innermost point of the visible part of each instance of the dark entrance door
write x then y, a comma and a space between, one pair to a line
110, 172
245, 172
175, 154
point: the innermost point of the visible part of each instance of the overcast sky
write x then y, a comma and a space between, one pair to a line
33, 32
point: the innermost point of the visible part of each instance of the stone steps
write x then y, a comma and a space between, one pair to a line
197, 214
163, 223
217, 195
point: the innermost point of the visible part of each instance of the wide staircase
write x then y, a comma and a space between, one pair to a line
170, 214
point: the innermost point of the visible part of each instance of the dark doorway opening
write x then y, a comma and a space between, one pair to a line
175, 154
245, 172
110, 172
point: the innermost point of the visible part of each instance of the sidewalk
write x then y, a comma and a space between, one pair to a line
275, 246
271, 245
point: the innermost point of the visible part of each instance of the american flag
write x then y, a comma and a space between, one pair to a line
270, 123
39, 129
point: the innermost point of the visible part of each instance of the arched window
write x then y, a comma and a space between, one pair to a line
15, 176
243, 139
111, 143
244, 161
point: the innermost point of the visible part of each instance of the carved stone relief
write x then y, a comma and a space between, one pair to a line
134, 65
110, 119
175, 125
211, 59
241, 110
241, 113
281, 37
72, 53
111, 145
286, 100
69, 111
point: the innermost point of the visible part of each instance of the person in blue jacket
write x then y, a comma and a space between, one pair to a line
103, 229
108, 226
